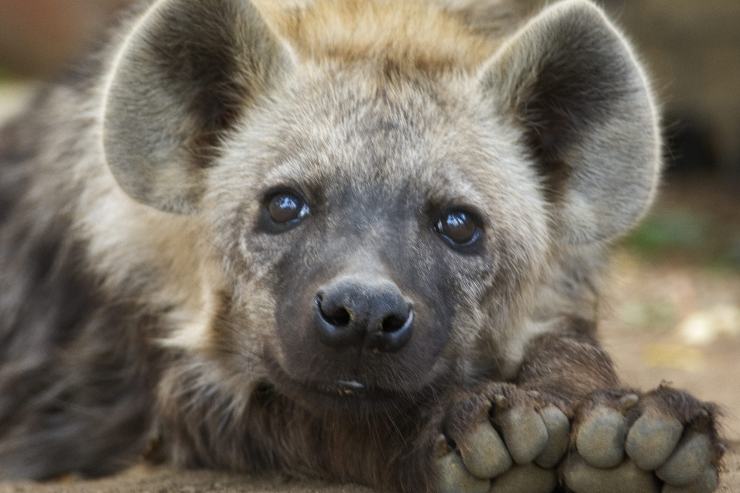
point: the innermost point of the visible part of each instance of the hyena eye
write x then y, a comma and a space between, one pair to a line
458, 228
286, 208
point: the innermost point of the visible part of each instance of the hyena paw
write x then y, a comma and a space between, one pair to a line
502, 436
665, 441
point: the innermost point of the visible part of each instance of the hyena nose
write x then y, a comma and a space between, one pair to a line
350, 312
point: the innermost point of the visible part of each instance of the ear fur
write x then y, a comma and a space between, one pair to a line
571, 81
181, 77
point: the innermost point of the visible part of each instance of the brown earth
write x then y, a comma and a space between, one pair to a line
163, 481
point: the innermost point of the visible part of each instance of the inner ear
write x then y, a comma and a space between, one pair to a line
184, 75
577, 86
569, 80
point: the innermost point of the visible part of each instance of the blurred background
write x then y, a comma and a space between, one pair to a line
674, 310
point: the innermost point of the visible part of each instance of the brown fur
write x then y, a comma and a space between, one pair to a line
411, 32
383, 116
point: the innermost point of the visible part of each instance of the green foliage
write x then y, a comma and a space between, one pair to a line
688, 235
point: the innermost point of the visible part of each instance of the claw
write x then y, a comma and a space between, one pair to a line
500, 400
441, 446
628, 401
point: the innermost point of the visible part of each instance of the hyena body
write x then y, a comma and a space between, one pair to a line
354, 240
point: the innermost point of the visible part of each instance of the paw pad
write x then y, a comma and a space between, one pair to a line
601, 438
652, 439
625, 478
525, 433
667, 443
692, 458
484, 453
512, 444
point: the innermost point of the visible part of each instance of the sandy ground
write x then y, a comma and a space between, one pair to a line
162, 481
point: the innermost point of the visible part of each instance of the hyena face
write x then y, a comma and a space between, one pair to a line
385, 200
369, 244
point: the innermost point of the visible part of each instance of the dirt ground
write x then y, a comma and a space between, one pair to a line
162, 481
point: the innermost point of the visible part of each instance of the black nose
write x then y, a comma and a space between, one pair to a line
353, 312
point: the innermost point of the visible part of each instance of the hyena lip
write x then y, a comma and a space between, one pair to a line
348, 391
351, 388
345, 387
352, 401
346, 394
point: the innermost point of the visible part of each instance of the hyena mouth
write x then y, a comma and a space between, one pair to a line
346, 388
353, 397
352, 389
343, 393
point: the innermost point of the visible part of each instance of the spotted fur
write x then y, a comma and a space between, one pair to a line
142, 301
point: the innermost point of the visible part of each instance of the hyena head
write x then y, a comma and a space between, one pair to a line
387, 187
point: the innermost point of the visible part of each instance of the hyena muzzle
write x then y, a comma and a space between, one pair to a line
359, 240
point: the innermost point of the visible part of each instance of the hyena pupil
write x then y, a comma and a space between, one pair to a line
459, 228
286, 207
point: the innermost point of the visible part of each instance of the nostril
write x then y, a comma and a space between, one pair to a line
395, 331
336, 316
393, 323
339, 317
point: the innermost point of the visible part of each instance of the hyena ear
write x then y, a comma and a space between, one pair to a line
181, 79
572, 83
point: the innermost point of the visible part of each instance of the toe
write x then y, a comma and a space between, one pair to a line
708, 483
558, 437
529, 478
580, 477
689, 462
483, 452
601, 436
652, 439
524, 432
455, 478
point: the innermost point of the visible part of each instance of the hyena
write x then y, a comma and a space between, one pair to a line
357, 240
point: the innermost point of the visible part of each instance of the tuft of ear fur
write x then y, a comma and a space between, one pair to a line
570, 79
178, 82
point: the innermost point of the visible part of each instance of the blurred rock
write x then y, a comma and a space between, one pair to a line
707, 326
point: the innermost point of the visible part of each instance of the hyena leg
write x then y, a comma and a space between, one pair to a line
621, 442
515, 435
664, 440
